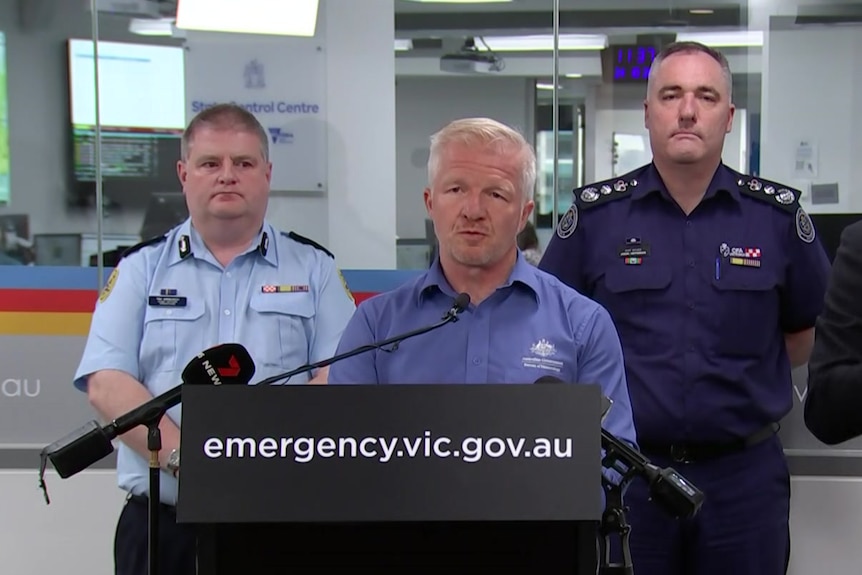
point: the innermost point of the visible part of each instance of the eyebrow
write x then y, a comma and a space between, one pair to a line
211, 157
699, 89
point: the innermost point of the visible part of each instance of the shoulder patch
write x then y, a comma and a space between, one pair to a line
568, 223
603, 192
150, 242
109, 285
773, 193
804, 226
309, 242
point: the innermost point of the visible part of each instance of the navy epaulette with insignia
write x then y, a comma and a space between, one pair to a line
304, 240
602, 192
778, 195
150, 242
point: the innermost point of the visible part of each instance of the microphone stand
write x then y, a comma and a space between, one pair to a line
451, 316
154, 444
670, 490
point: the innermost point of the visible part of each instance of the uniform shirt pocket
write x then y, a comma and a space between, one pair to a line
747, 310
281, 328
636, 296
172, 336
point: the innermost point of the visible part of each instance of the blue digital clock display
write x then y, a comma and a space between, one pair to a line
629, 63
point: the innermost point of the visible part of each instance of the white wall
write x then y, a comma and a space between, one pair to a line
424, 105
615, 109
813, 94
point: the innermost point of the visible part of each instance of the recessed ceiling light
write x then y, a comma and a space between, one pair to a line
701, 11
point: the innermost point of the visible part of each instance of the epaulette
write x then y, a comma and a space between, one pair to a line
304, 240
603, 192
150, 242
773, 193
591, 196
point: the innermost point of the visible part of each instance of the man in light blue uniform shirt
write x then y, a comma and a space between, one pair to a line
521, 324
224, 275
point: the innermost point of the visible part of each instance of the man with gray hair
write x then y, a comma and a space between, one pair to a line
714, 280
521, 323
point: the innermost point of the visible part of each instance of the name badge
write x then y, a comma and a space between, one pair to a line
167, 301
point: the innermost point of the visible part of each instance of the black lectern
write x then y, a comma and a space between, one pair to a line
305, 479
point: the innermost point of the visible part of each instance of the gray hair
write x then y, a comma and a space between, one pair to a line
691, 48
485, 131
225, 116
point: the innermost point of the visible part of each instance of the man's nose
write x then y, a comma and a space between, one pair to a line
227, 173
474, 206
688, 108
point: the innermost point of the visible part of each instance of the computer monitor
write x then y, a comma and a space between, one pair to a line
57, 249
164, 211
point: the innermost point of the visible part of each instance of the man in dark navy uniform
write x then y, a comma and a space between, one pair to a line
714, 280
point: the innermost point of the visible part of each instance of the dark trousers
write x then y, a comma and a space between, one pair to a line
176, 542
742, 527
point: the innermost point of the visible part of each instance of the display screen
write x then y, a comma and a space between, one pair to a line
627, 63
141, 102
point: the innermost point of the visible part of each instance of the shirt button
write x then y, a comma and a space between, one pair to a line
690, 305
477, 360
227, 312
228, 274
688, 223
691, 263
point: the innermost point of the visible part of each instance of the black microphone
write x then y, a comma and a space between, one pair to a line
458, 305
672, 491
225, 364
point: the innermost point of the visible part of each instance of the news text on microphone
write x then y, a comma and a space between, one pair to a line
385, 449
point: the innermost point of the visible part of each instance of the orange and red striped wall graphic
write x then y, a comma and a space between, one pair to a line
57, 301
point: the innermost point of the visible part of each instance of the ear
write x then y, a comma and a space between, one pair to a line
730, 115
646, 115
428, 197
526, 211
269, 172
182, 172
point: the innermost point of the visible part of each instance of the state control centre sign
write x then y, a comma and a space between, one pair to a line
279, 79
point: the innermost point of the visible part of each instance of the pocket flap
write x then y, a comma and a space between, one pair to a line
193, 310
298, 304
623, 278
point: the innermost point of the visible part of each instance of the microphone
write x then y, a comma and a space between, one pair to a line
672, 491
459, 304
225, 364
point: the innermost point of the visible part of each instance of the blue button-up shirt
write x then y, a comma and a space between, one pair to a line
531, 326
169, 299
701, 301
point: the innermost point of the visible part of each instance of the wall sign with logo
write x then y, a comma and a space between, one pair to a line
282, 81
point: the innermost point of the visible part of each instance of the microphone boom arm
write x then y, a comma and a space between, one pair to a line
451, 316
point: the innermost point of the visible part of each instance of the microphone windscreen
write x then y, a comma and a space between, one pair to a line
549, 379
462, 301
225, 364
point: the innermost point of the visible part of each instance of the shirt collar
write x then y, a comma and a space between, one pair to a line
724, 180
523, 274
187, 243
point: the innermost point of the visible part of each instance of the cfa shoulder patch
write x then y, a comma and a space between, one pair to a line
773, 193
150, 242
568, 223
603, 192
804, 226
309, 242
109, 285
